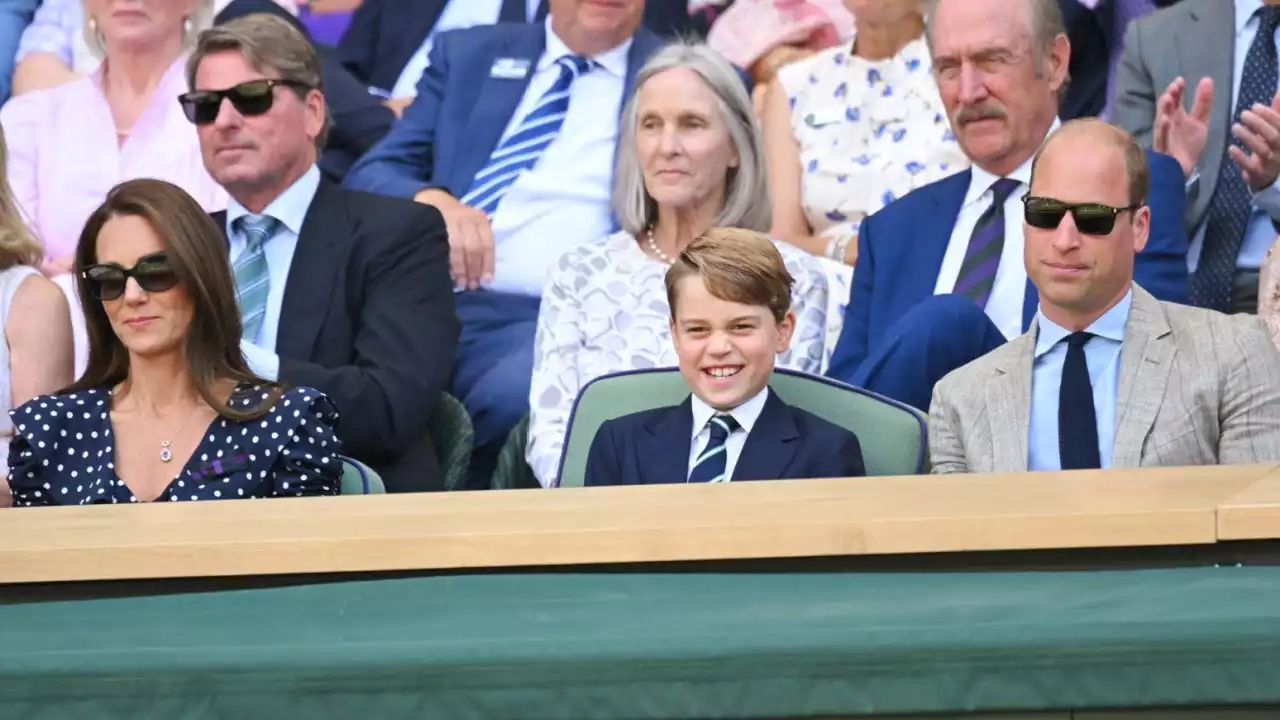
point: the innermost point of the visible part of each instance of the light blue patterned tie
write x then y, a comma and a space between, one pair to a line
521, 149
710, 467
253, 280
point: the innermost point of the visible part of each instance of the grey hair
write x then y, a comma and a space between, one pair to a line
198, 21
1046, 26
746, 197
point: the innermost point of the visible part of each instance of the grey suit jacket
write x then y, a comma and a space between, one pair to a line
1193, 39
1196, 388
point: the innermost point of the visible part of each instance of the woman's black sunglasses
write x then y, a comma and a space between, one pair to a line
153, 273
1090, 218
248, 98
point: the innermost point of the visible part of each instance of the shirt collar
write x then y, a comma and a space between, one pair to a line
615, 60
746, 414
1244, 13
289, 208
980, 181
1109, 326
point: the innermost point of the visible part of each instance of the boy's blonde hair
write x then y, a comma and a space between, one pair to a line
737, 265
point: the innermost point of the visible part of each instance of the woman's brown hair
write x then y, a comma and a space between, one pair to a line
197, 253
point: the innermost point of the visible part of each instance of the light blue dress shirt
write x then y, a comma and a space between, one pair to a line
1260, 234
290, 209
1102, 355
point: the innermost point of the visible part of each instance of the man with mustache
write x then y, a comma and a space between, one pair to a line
939, 279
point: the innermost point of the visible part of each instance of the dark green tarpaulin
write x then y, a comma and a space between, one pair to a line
634, 645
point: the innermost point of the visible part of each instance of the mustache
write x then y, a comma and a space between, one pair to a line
985, 111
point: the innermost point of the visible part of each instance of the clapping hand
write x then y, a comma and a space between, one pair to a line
1179, 133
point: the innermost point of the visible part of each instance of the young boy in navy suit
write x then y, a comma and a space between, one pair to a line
730, 298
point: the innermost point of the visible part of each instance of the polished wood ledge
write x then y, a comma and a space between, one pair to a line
527, 528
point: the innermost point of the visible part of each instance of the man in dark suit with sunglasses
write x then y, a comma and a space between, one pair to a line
939, 278
342, 291
1107, 376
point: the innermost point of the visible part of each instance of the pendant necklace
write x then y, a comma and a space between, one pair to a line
165, 453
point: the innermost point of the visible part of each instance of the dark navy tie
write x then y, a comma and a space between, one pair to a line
1232, 203
982, 259
1077, 421
711, 463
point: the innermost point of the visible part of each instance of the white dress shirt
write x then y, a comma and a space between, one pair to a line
457, 14
563, 201
1004, 307
289, 209
746, 414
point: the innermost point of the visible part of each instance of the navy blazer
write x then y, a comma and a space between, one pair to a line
786, 443
900, 251
448, 133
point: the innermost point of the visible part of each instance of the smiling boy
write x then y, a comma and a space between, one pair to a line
730, 298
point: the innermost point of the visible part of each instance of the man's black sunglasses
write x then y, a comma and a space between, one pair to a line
1090, 218
153, 273
248, 98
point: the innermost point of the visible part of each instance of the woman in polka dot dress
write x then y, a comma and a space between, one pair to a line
167, 409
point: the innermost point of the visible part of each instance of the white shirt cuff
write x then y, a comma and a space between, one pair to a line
264, 363
1268, 200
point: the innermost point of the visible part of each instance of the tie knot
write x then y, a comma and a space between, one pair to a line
257, 228
1078, 339
1268, 19
1002, 189
722, 426
575, 64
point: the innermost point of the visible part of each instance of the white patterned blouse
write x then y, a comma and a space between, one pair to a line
604, 310
868, 132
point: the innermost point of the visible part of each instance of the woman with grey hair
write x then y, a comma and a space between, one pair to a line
689, 159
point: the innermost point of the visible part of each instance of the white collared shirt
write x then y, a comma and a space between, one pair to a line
1004, 307
746, 414
457, 14
563, 201
290, 209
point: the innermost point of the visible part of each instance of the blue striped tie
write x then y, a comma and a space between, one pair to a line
710, 465
253, 279
521, 149
982, 259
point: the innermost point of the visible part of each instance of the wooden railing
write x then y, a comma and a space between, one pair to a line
814, 518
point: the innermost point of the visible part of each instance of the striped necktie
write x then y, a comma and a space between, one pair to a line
1232, 205
522, 148
711, 463
253, 279
982, 259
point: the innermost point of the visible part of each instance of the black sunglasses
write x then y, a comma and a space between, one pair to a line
1090, 218
153, 273
248, 98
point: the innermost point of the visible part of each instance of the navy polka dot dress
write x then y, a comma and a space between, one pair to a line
62, 452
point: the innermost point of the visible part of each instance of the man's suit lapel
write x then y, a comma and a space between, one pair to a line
1146, 357
404, 30
771, 444
928, 245
1008, 399
317, 258
1199, 52
664, 447
499, 97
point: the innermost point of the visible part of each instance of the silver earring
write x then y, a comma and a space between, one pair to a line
188, 28
97, 34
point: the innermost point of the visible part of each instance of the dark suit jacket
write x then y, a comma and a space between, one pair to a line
786, 443
368, 319
1091, 34
448, 133
900, 251
359, 119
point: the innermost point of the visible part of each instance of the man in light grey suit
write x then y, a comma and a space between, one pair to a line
1107, 376
1228, 49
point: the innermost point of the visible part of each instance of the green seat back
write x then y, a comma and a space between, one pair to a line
512, 472
892, 435
360, 479
454, 438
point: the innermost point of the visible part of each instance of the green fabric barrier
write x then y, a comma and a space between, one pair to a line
634, 645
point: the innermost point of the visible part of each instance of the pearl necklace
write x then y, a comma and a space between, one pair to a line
653, 245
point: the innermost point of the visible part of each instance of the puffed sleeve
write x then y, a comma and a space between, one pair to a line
29, 449
308, 462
